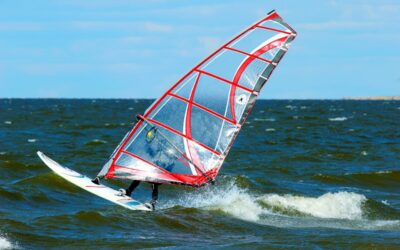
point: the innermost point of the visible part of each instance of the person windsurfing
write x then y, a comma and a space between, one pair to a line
133, 186
156, 150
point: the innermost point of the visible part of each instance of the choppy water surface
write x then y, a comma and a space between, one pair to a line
301, 174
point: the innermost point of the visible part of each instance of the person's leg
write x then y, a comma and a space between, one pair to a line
154, 194
132, 187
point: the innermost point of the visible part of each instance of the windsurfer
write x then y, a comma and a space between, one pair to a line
133, 186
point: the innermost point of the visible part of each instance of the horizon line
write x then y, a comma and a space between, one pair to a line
367, 98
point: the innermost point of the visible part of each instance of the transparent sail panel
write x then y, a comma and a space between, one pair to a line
208, 159
252, 72
185, 88
253, 39
242, 98
131, 162
214, 95
129, 167
219, 65
275, 25
210, 130
270, 54
161, 148
171, 106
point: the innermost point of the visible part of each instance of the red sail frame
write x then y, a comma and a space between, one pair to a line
202, 175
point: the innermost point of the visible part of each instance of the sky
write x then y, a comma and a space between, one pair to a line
138, 49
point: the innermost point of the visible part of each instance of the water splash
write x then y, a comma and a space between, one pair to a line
331, 210
340, 205
4, 243
229, 199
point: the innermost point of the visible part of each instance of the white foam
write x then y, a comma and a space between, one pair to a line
270, 129
338, 119
8, 122
230, 199
331, 210
5, 244
340, 205
32, 140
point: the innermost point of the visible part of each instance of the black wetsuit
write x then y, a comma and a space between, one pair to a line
154, 194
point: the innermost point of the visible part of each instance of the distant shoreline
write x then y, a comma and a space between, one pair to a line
374, 98
368, 98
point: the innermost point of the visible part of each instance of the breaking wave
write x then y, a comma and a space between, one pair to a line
333, 210
5, 243
340, 205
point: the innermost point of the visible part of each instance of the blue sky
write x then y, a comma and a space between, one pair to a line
137, 49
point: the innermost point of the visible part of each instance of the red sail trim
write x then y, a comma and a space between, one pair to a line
181, 134
272, 29
140, 158
248, 54
146, 161
203, 108
273, 15
165, 175
224, 80
248, 112
185, 179
246, 63
233, 84
110, 173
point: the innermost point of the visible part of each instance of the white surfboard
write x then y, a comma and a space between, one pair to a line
87, 184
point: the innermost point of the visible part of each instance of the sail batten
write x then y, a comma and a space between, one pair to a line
186, 134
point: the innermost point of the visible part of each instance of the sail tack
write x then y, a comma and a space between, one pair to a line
185, 135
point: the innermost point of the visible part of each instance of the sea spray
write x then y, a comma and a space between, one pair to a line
4, 243
228, 198
340, 205
241, 203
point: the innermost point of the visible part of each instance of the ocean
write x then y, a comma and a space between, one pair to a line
302, 174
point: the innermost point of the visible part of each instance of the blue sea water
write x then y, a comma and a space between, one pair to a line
302, 174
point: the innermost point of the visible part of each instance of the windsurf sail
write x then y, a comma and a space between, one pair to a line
186, 134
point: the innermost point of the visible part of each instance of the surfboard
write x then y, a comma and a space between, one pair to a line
86, 183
